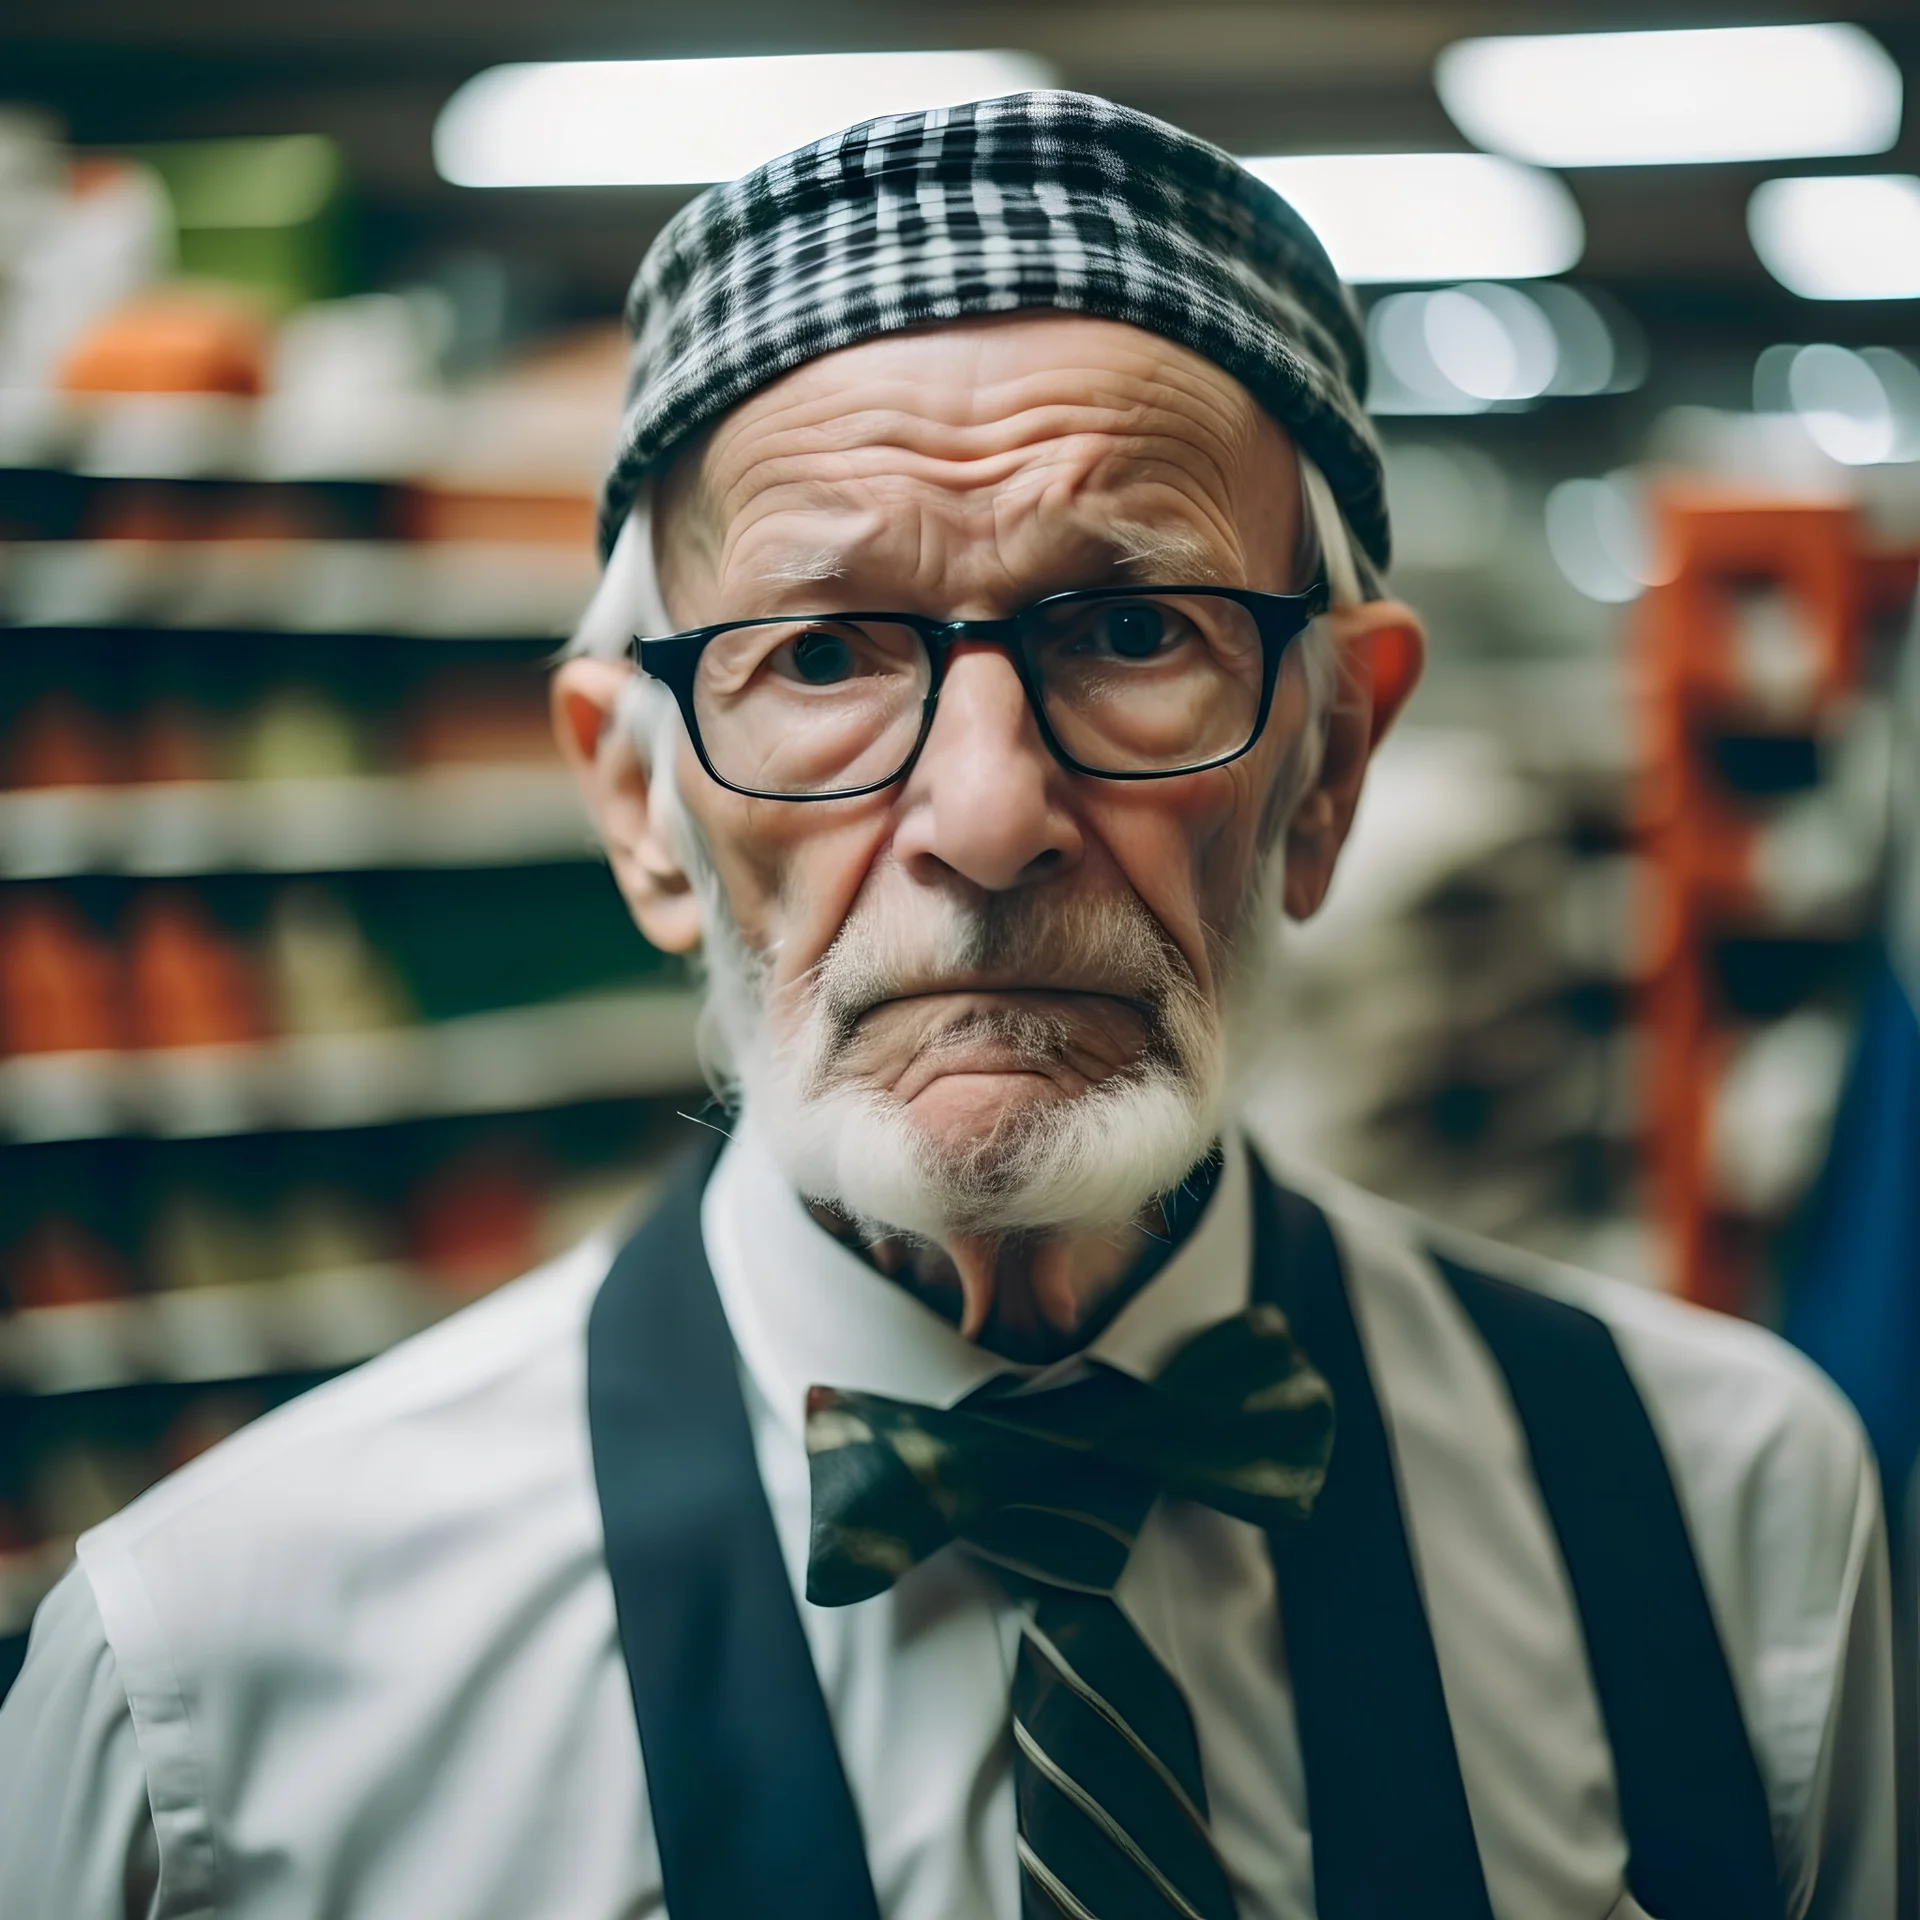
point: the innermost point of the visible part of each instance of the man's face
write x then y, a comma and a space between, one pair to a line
990, 942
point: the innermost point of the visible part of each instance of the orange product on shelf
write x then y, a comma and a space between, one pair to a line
187, 337
476, 1222
61, 1264
483, 515
59, 741
190, 983
174, 740
481, 717
57, 985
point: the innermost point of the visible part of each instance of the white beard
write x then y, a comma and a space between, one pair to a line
1085, 1163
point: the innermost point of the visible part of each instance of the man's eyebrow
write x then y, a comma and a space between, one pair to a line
808, 567
1161, 556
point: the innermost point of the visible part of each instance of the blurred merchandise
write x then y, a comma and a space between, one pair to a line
266, 214
58, 992
200, 1239
356, 387
76, 238
56, 741
329, 1229
496, 718
177, 339
299, 733
62, 1263
1448, 1028
189, 981
477, 1221
176, 741
326, 977
1763, 814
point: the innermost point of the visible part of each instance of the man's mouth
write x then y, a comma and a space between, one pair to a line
1015, 993
1072, 1036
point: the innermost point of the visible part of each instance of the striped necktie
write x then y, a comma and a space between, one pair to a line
1050, 1490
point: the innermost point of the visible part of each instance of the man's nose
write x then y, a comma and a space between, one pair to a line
984, 799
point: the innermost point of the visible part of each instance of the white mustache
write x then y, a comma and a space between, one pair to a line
1094, 944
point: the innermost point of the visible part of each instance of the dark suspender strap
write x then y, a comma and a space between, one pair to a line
1699, 1841
750, 1805
1392, 1835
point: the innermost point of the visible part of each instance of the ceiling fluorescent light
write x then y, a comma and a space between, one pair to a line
1666, 98
1840, 236
1431, 216
643, 123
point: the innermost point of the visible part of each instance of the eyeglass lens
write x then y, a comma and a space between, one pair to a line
1135, 685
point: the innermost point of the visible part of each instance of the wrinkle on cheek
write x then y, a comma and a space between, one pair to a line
1175, 843
791, 879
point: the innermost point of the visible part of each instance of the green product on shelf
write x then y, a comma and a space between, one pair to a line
326, 978
270, 214
468, 944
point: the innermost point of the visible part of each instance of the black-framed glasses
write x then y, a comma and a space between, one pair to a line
1125, 683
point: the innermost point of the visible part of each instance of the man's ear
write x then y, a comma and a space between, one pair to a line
615, 783
1381, 647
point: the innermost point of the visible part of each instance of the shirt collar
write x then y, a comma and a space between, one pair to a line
806, 1310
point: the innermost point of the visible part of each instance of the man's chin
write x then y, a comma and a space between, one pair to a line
960, 1115
992, 1153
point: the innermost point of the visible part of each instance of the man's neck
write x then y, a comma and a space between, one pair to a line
1034, 1298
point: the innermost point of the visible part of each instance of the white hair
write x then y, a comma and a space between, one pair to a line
1083, 1164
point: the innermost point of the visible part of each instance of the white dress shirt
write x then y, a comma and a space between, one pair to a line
361, 1660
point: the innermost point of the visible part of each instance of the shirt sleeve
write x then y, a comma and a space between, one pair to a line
76, 1838
1855, 1846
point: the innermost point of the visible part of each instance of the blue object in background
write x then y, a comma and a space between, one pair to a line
1853, 1294
1853, 1303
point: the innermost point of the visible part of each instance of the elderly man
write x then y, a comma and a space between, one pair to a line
981, 1489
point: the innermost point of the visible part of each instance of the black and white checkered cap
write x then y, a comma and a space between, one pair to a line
1032, 200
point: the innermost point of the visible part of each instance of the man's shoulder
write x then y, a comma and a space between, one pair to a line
1772, 1471
1724, 1394
477, 1418
1769, 1462
307, 1620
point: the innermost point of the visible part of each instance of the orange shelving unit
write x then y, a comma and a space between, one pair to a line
1758, 630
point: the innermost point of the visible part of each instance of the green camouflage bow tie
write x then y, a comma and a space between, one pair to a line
1053, 1486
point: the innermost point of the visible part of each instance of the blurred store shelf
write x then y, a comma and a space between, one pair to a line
1765, 815
458, 589
310, 1322
595, 1046
1448, 1028
445, 817
27, 1576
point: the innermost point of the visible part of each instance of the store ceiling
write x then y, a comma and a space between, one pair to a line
1255, 76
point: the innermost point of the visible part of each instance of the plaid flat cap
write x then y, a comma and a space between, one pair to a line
1032, 200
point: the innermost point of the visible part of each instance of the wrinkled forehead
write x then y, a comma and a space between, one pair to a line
1055, 438
629, 602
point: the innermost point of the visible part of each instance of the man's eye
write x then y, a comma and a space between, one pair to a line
821, 658
1134, 632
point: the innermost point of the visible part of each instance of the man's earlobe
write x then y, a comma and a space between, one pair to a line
616, 785
1382, 648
